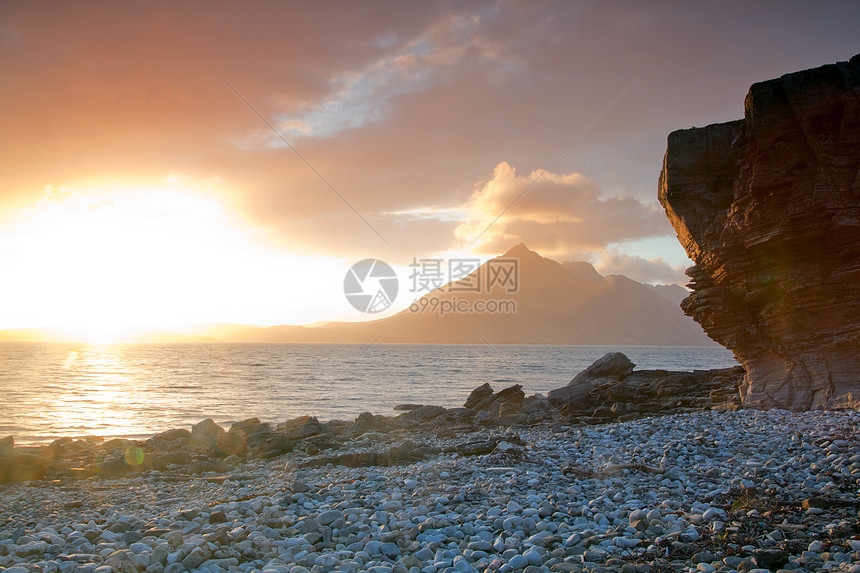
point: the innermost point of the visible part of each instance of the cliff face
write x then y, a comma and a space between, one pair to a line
768, 208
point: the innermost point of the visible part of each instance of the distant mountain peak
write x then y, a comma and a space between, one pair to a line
540, 302
584, 270
519, 251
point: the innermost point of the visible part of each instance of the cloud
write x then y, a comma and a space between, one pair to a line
364, 95
654, 270
555, 214
400, 106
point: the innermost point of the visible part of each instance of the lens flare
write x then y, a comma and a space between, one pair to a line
134, 456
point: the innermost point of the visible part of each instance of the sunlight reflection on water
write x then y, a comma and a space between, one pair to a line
59, 389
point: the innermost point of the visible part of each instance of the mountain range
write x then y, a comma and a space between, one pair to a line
556, 303
541, 302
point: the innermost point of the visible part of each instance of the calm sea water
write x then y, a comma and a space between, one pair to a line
48, 390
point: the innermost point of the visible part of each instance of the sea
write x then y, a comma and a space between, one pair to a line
50, 390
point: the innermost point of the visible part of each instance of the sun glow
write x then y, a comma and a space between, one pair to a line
103, 265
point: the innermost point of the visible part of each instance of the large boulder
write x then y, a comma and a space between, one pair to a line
170, 439
16, 467
614, 365
206, 431
484, 398
424, 413
301, 427
610, 389
577, 395
768, 207
479, 397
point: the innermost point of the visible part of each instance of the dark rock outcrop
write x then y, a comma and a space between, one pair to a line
577, 395
614, 365
484, 398
611, 389
768, 207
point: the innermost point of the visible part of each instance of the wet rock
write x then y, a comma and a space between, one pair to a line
483, 398
614, 365
772, 559
113, 468
250, 426
301, 427
369, 422
424, 413
176, 437
637, 392
478, 396
406, 407
206, 431
7, 444
405, 452
230, 444
277, 444
15, 467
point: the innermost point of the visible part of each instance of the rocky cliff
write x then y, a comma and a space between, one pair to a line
768, 207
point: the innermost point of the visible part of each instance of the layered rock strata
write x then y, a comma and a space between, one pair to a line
768, 208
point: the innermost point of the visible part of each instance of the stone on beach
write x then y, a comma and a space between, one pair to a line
611, 388
456, 507
22, 467
484, 399
206, 431
613, 365
424, 413
301, 427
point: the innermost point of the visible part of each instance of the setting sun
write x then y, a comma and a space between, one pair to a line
101, 266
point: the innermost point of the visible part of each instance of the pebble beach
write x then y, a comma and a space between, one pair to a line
690, 491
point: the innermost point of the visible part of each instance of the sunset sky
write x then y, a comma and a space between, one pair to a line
136, 187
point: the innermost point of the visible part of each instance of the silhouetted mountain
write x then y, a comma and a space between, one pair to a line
548, 303
555, 304
584, 271
674, 293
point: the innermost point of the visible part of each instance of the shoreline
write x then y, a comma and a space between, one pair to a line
693, 491
608, 390
52, 400
643, 472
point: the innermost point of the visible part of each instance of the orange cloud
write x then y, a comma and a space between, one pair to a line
399, 105
651, 270
555, 214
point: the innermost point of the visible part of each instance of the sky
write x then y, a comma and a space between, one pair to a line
142, 180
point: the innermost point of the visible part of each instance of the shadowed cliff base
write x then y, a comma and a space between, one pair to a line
768, 207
